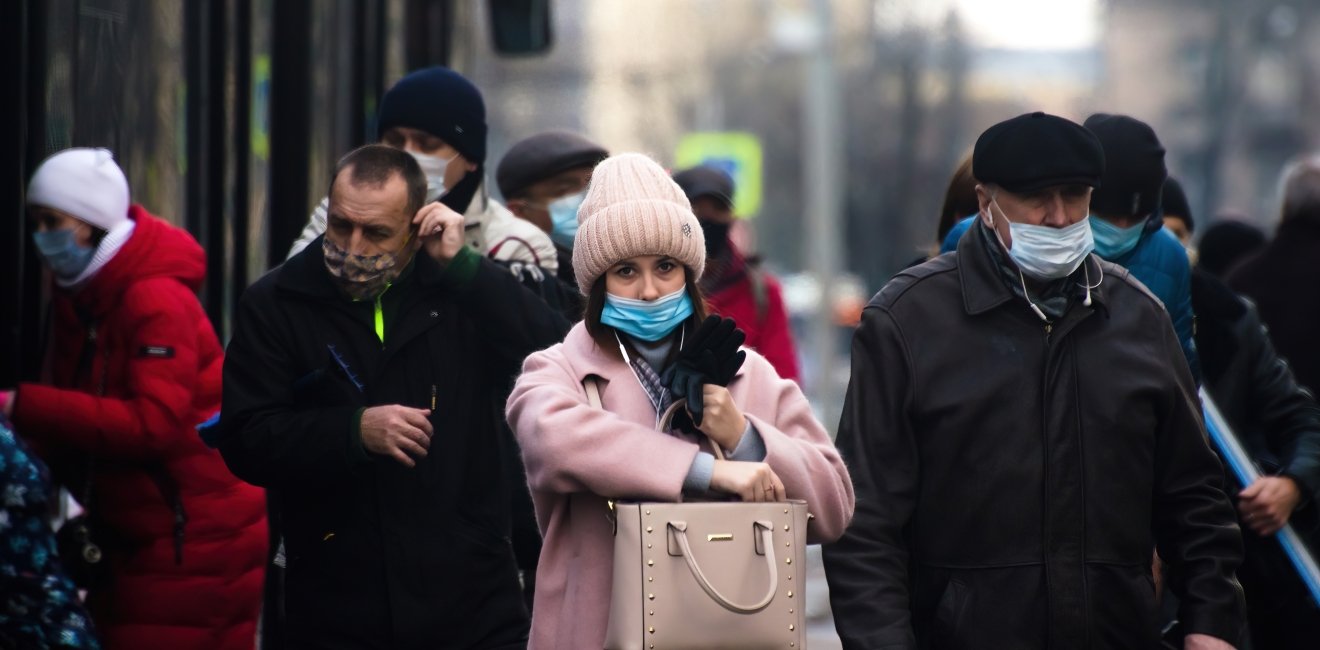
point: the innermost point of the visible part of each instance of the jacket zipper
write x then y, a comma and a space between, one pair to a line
380, 320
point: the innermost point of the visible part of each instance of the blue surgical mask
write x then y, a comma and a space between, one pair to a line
63, 255
1112, 242
563, 218
647, 321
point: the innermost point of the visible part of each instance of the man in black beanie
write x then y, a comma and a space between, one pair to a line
439, 117
1127, 225
1022, 432
1177, 213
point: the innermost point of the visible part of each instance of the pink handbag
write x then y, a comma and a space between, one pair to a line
706, 575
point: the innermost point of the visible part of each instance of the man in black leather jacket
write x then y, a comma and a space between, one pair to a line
1022, 431
1278, 422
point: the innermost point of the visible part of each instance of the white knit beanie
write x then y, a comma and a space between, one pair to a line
85, 183
634, 208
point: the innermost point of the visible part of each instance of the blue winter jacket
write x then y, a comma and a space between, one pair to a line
1159, 261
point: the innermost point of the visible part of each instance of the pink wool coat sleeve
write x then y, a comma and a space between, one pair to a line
570, 446
798, 448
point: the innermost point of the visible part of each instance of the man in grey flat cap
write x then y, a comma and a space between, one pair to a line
1023, 432
543, 179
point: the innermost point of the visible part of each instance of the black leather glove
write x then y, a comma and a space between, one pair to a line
709, 356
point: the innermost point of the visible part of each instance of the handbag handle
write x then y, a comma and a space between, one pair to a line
767, 542
592, 385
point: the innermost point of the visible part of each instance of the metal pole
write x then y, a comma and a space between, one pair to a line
1221, 434
823, 188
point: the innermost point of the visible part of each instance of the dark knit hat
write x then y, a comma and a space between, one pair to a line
1035, 151
1226, 243
1134, 170
543, 155
706, 181
1173, 203
441, 102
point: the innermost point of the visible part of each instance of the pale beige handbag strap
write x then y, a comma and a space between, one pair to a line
767, 542
592, 384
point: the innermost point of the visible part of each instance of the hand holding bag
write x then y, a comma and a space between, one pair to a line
706, 575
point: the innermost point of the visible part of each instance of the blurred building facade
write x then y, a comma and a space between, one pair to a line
1231, 86
1228, 84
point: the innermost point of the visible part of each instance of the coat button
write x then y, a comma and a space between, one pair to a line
435, 313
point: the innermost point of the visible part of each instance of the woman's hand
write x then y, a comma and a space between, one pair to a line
750, 481
724, 422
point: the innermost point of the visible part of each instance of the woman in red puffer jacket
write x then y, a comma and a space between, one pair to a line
133, 367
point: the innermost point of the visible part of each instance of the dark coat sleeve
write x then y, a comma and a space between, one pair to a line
1195, 527
267, 439
867, 568
1285, 412
514, 320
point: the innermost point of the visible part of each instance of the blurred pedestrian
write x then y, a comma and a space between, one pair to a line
1177, 212
39, 604
639, 255
1022, 431
439, 117
1127, 224
543, 179
1227, 242
350, 364
134, 365
959, 202
1278, 423
1282, 278
735, 285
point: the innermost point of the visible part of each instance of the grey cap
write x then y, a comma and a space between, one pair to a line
543, 155
706, 181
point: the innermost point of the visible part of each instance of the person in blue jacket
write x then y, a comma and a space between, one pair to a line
1127, 223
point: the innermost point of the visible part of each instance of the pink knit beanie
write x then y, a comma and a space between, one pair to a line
634, 208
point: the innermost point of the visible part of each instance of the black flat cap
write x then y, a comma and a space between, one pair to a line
706, 181
543, 155
1173, 203
1037, 150
1134, 173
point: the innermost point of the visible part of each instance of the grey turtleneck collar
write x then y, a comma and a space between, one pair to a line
656, 353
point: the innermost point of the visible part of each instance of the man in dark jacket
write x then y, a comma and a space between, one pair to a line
543, 179
1278, 422
357, 387
1023, 432
1282, 278
736, 286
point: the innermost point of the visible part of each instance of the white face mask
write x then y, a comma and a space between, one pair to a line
434, 167
1044, 253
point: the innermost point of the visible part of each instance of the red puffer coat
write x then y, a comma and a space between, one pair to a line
160, 362
754, 300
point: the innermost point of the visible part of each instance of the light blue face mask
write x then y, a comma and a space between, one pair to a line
563, 218
648, 321
63, 255
1112, 242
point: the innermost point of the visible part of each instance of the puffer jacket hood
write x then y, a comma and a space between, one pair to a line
156, 249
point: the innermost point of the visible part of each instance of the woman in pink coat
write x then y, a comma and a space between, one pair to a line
638, 255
